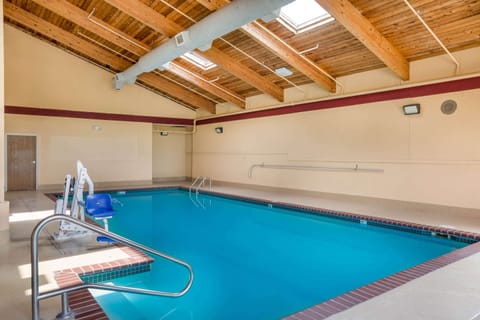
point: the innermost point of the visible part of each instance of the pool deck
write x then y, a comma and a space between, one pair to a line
450, 292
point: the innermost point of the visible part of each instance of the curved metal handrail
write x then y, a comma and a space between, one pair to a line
36, 296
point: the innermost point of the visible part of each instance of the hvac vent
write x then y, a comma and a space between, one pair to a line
181, 38
448, 107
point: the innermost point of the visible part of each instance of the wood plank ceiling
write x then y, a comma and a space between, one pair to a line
365, 35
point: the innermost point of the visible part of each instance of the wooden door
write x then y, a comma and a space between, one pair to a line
21, 162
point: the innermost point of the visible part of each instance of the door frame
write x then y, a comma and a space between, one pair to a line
6, 156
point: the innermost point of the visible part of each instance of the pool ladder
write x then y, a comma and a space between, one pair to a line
67, 313
199, 182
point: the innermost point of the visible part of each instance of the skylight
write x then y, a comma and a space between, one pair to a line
303, 15
198, 61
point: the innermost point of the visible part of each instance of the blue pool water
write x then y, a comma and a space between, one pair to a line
251, 261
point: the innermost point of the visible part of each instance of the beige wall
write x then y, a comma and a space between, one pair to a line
40, 75
170, 159
431, 158
120, 151
4, 209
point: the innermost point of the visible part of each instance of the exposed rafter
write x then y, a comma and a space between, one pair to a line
280, 48
102, 56
353, 21
67, 10
288, 54
213, 5
157, 22
365, 32
123, 40
243, 73
215, 89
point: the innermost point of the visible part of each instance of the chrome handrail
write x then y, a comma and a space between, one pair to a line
194, 183
36, 296
201, 183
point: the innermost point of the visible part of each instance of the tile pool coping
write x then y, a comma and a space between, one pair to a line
82, 301
349, 299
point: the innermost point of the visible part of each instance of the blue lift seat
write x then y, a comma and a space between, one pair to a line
99, 206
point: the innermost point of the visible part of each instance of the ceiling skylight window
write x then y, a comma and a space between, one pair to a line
303, 15
198, 60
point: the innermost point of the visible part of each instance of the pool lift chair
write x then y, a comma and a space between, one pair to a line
67, 230
98, 206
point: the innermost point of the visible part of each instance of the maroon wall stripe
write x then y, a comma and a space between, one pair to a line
418, 91
95, 115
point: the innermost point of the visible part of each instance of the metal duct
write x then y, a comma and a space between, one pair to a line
201, 35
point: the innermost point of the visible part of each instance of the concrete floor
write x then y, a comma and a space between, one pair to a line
452, 292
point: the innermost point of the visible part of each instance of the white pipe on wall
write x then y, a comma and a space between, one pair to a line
292, 167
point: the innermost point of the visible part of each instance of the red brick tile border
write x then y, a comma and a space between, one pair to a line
362, 294
82, 302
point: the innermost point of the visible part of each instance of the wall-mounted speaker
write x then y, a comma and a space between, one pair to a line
448, 106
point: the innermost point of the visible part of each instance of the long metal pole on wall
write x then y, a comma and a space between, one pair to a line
292, 167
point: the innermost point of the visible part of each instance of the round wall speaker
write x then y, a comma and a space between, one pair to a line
448, 107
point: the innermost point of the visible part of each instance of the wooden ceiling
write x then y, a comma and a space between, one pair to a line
365, 35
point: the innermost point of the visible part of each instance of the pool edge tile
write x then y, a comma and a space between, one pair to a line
82, 301
385, 284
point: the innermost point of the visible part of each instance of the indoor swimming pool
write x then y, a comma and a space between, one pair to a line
252, 260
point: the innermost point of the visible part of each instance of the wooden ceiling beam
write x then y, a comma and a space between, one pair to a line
355, 23
360, 27
288, 54
78, 16
158, 22
247, 75
73, 13
149, 16
213, 5
102, 56
177, 91
280, 48
214, 88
